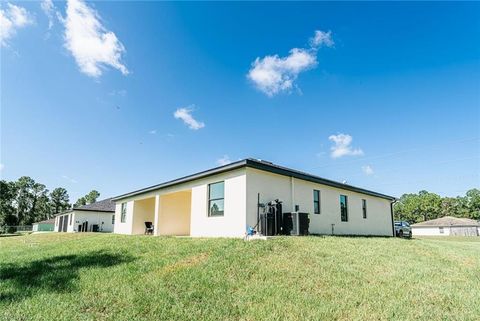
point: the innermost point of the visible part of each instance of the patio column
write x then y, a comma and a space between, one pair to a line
156, 230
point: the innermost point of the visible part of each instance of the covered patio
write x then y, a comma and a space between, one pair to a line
170, 213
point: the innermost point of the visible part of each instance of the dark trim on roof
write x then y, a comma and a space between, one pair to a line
63, 213
207, 173
92, 210
82, 210
104, 206
260, 165
269, 167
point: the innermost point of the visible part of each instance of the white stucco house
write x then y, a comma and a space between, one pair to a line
447, 225
95, 217
224, 201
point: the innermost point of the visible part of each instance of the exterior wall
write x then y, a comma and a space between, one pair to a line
125, 227
102, 219
270, 187
69, 222
430, 231
232, 224
454, 230
464, 231
175, 211
293, 192
78, 217
241, 189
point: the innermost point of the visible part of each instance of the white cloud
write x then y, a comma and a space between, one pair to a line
274, 74
71, 180
121, 92
153, 132
322, 38
367, 170
92, 46
223, 160
11, 19
342, 146
48, 8
185, 114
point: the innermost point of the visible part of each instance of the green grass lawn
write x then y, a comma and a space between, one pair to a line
111, 277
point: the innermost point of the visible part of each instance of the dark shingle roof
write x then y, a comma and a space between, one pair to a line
261, 165
448, 221
107, 205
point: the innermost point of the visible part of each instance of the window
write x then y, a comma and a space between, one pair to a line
344, 208
113, 219
316, 201
364, 208
123, 216
216, 193
441, 230
71, 216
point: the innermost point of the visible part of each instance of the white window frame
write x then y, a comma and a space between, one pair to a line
123, 212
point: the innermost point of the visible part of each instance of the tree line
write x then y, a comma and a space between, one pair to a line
426, 206
26, 201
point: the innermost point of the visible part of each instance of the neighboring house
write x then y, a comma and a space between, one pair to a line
225, 200
44, 226
95, 217
447, 225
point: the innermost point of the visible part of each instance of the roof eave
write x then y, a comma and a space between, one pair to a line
445, 225
203, 174
312, 178
93, 210
257, 165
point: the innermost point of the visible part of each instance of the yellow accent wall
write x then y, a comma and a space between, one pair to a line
175, 211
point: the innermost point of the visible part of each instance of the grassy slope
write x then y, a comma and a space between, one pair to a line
113, 277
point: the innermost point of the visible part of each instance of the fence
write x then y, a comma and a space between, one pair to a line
10, 229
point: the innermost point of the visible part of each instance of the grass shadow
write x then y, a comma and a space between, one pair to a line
53, 274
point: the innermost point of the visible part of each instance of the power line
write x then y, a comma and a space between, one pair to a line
398, 153
410, 167
430, 180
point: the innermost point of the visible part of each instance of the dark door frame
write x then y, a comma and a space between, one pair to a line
60, 223
65, 223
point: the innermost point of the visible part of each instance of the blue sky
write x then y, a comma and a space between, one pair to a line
386, 98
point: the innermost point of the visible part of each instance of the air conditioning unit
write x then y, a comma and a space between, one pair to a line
295, 225
300, 223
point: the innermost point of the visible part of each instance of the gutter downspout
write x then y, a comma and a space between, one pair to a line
391, 214
292, 189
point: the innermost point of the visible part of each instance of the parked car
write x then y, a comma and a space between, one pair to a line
403, 229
